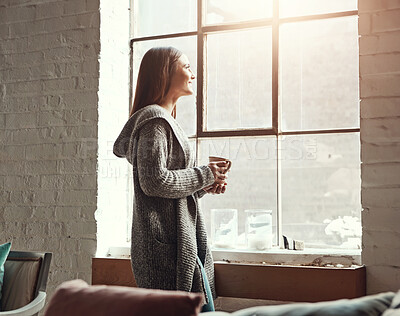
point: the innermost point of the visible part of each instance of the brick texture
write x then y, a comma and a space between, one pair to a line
379, 30
49, 78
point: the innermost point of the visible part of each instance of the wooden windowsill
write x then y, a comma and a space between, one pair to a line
255, 281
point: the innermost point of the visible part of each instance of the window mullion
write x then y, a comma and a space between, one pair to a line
200, 75
278, 190
275, 67
200, 69
275, 115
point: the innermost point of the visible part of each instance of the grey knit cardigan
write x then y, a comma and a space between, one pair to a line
168, 229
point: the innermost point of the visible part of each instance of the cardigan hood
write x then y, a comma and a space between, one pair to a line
123, 146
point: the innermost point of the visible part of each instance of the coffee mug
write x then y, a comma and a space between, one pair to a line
221, 159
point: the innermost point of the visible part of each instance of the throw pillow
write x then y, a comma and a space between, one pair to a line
4, 250
77, 298
394, 308
372, 305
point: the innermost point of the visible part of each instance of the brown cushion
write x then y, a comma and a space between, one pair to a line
79, 299
20, 278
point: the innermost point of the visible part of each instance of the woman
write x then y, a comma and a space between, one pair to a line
169, 241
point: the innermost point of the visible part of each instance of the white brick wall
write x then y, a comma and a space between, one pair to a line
379, 28
49, 74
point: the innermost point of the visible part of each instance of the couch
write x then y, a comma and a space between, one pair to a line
77, 298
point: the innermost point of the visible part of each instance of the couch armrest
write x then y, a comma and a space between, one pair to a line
30, 309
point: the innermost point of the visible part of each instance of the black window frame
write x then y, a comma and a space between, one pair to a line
202, 31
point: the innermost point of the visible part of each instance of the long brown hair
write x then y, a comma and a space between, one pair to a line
154, 78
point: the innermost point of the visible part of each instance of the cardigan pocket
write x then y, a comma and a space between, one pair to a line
163, 236
163, 269
163, 224
163, 243
164, 250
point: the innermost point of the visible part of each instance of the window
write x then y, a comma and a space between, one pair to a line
277, 93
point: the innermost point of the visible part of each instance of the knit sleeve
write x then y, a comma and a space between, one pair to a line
154, 177
201, 193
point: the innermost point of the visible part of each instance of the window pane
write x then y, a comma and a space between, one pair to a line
289, 8
158, 17
186, 106
319, 74
252, 179
228, 11
239, 80
192, 143
321, 186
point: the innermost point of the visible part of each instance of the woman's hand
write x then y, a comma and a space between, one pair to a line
216, 188
218, 169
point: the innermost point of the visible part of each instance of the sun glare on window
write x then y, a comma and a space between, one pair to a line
228, 11
291, 8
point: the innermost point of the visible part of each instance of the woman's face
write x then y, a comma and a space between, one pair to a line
182, 78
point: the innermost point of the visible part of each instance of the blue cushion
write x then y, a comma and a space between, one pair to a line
4, 250
372, 305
